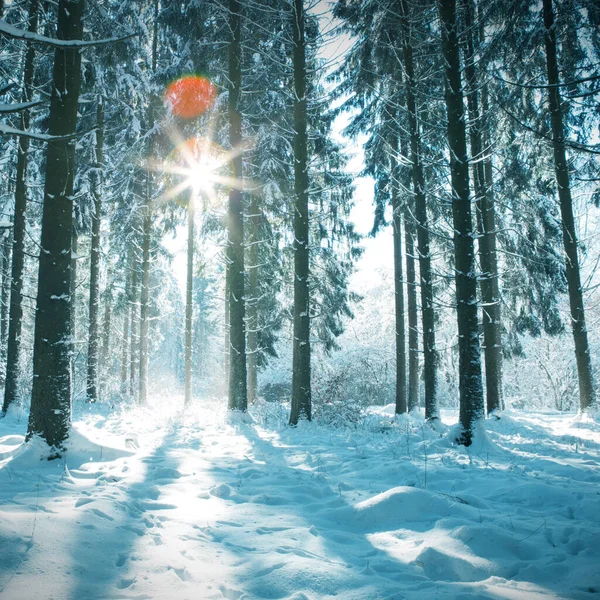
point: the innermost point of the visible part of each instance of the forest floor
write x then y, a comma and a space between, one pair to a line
158, 503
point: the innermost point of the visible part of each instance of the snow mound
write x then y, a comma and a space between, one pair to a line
401, 507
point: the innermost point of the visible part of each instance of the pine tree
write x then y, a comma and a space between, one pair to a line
51, 395
470, 385
301, 388
13, 348
94, 300
582, 350
238, 395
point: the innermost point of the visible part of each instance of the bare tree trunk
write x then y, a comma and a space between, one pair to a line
125, 341
425, 271
301, 385
470, 384
5, 302
238, 390
13, 348
135, 324
227, 345
413, 314
401, 405
189, 306
144, 323
146, 240
50, 414
252, 295
486, 224
105, 359
94, 302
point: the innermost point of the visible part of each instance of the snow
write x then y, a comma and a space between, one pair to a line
162, 503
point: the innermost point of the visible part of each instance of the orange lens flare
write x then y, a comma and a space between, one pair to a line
190, 96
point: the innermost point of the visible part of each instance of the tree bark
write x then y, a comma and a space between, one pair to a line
430, 359
135, 324
486, 224
413, 313
189, 306
94, 300
5, 301
587, 395
146, 239
401, 404
238, 390
301, 385
50, 414
106, 328
470, 384
252, 295
13, 348
125, 341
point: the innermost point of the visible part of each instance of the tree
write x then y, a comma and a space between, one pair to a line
427, 310
94, 301
144, 323
486, 219
189, 307
470, 385
238, 391
51, 394
582, 350
301, 391
13, 350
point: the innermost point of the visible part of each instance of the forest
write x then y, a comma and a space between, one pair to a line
299, 299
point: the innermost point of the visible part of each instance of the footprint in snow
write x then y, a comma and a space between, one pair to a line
230, 594
183, 574
125, 583
121, 559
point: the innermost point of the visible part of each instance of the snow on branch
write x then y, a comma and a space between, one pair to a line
20, 34
16, 107
42, 137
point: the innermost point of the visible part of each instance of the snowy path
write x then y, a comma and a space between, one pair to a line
193, 507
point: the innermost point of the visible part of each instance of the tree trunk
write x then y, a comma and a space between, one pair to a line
401, 405
13, 348
227, 345
146, 239
106, 328
486, 224
587, 395
5, 302
413, 313
238, 391
135, 324
125, 341
189, 306
50, 414
94, 302
253, 295
301, 390
470, 384
427, 311
144, 323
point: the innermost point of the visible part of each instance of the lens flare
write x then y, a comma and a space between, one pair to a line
190, 96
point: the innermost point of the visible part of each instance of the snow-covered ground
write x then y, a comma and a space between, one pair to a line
154, 503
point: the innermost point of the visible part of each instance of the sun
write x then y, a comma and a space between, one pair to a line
203, 173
